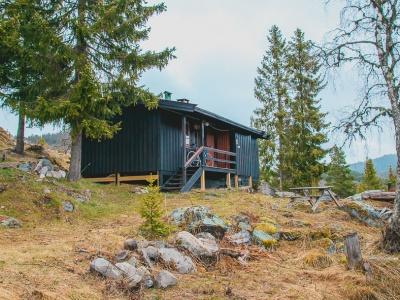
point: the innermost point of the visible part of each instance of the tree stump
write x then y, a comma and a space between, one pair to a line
353, 251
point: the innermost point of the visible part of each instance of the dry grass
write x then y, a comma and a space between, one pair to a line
49, 257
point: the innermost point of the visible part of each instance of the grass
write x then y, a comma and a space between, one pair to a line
48, 257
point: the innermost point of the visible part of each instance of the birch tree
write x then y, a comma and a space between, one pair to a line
369, 38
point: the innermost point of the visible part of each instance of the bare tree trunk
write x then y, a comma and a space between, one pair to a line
391, 234
19, 148
74, 173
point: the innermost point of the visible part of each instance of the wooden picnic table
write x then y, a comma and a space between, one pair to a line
314, 200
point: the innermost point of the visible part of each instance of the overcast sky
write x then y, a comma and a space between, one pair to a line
219, 45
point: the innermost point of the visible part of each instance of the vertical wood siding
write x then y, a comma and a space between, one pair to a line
171, 142
247, 156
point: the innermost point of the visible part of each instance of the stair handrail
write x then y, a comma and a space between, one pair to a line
195, 155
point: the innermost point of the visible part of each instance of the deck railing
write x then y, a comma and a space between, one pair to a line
211, 157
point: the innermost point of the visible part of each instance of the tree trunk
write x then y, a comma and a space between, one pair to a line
19, 148
391, 234
74, 173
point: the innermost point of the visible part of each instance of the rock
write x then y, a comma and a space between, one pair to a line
267, 227
9, 222
105, 268
3, 188
121, 255
211, 224
25, 167
367, 214
46, 191
68, 206
140, 190
130, 244
205, 235
56, 174
42, 164
285, 194
290, 235
242, 237
84, 197
133, 261
150, 255
165, 279
266, 189
147, 280
205, 250
182, 263
177, 216
195, 214
130, 273
243, 222
43, 171
263, 239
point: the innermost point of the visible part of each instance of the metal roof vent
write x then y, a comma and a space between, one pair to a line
167, 95
183, 100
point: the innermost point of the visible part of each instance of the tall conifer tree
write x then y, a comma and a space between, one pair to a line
369, 181
271, 90
103, 44
307, 126
339, 174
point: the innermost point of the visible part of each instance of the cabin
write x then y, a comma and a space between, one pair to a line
179, 144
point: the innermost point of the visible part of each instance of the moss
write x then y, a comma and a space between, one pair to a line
320, 233
317, 259
269, 243
323, 243
267, 227
341, 259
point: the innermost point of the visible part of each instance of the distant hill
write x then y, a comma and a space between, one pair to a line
381, 164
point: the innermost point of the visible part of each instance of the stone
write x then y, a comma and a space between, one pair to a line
25, 167
177, 216
43, 162
211, 224
140, 190
182, 263
121, 255
133, 261
105, 268
263, 239
367, 214
130, 244
266, 189
43, 171
147, 280
83, 197
165, 279
205, 235
46, 191
290, 235
9, 222
205, 250
285, 194
149, 255
242, 237
130, 273
243, 222
56, 174
3, 188
68, 206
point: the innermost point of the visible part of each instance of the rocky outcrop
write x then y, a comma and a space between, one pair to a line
172, 257
9, 222
165, 279
105, 268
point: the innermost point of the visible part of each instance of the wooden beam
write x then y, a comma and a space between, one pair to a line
203, 181
117, 177
236, 181
228, 181
251, 181
124, 178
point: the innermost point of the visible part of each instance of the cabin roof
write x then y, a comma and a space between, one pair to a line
195, 110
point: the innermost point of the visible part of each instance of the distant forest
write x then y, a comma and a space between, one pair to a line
52, 139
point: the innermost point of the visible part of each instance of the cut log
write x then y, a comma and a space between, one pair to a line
353, 251
381, 196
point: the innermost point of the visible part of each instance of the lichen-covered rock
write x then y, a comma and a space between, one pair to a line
182, 263
68, 206
243, 222
9, 222
205, 250
121, 255
326, 244
365, 213
242, 237
267, 227
149, 255
165, 279
289, 235
105, 268
264, 239
211, 224
177, 216
130, 273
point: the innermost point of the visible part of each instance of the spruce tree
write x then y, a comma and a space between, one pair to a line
339, 174
271, 90
28, 69
102, 40
392, 180
307, 127
370, 181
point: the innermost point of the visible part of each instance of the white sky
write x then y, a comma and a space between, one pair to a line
219, 45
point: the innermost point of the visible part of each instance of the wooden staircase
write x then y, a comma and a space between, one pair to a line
176, 183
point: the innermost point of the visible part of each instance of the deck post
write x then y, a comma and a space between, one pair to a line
203, 181
228, 181
117, 182
251, 181
236, 181
202, 133
184, 149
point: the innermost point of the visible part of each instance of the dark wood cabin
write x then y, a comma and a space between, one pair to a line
179, 144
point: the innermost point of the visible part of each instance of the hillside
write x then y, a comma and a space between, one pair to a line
381, 164
49, 257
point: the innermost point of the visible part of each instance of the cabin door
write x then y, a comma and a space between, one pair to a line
210, 142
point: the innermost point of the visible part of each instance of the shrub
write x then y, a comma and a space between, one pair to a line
151, 210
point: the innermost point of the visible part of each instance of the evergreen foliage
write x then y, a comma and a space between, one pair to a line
392, 179
369, 181
339, 174
151, 210
271, 89
307, 126
287, 85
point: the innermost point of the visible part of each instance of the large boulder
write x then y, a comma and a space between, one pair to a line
9, 222
182, 263
242, 237
367, 214
130, 273
105, 268
165, 279
263, 239
130, 244
149, 255
206, 250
